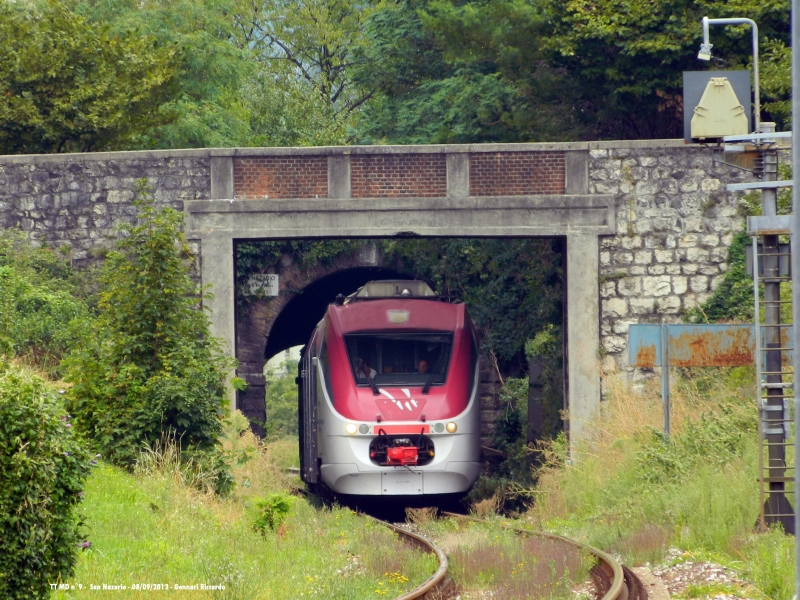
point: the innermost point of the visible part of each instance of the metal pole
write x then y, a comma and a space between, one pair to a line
777, 509
707, 45
795, 241
665, 399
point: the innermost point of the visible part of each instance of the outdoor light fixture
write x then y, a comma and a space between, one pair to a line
705, 54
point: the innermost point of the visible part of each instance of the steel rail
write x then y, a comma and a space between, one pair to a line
430, 584
434, 580
610, 566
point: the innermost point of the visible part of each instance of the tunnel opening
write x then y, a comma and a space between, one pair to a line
295, 321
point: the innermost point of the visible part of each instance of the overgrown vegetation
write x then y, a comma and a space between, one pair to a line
281, 402
148, 367
630, 491
157, 526
488, 559
41, 308
42, 471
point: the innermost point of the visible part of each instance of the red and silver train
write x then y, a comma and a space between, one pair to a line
388, 395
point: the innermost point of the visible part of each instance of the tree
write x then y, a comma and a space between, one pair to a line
70, 85
459, 73
149, 368
628, 55
314, 43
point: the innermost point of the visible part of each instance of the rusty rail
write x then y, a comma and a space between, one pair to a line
621, 583
435, 581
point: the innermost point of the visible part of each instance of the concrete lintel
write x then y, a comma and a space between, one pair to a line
458, 175
523, 216
222, 178
576, 172
335, 150
218, 270
339, 176
583, 333
634, 144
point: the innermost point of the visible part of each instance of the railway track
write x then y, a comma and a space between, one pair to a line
612, 581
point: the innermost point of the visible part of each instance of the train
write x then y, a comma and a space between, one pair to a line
388, 395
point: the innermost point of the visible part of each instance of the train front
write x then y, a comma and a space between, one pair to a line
398, 412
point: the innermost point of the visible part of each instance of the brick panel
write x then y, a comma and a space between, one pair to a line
280, 177
388, 175
516, 173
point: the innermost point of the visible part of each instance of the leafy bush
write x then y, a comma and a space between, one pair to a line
272, 511
150, 367
281, 402
42, 472
40, 311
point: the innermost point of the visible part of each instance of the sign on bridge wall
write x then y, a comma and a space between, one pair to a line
262, 284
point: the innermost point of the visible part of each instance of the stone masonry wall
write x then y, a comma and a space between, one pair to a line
78, 200
675, 221
675, 226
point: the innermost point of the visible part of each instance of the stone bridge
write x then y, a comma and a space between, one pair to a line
647, 224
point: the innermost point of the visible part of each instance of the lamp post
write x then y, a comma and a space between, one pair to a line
705, 54
775, 508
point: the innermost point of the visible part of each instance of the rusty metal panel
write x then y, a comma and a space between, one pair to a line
644, 346
711, 345
700, 345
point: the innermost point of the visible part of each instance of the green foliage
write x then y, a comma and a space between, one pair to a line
281, 402
733, 298
67, 84
272, 511
40, 314
208, 105
628, 56
447, 72
314, 41
775, 72
511, 433
42, 471
547, 349
770, 558
150, 367
713, 440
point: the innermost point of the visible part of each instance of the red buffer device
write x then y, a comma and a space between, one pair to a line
403, 456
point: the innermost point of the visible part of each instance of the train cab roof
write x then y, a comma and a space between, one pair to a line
395, 305
391, 288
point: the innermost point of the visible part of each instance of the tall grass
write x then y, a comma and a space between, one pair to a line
629, 491
161, 525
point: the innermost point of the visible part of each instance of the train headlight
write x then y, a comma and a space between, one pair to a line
438, 428
351, 428
451, 427
363, 428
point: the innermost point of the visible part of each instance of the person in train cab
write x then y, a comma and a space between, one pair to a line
423, 367
363, 370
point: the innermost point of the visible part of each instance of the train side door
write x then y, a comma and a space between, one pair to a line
308, 414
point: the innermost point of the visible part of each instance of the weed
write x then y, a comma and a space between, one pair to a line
271, 512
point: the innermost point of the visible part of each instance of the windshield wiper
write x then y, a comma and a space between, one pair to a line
428, 384
375, 391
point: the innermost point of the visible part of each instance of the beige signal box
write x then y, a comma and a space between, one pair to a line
719, 112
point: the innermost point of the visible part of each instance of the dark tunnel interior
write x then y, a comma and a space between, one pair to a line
301, 314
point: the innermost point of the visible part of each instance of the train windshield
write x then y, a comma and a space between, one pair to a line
399, 358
